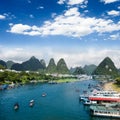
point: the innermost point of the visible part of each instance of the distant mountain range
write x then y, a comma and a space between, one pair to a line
87, 69
106, 67
33, 64
61, 67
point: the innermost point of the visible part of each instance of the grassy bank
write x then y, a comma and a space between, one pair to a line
116, 87
66, 80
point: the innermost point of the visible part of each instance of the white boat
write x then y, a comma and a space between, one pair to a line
86, 102
111, 96
16, 106
82, 97
105, 111
31, 103
44, 94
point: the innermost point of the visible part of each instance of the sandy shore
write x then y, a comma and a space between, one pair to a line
108, 86
111, 86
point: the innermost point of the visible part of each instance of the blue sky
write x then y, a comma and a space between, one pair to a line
80, 31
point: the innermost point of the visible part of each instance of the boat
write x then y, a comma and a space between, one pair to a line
16, 106
86, 102
83, 97
31, 104
105, 111
44, 94
110, 96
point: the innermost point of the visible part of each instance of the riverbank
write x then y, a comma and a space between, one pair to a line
66, 80
14, 85
111, 86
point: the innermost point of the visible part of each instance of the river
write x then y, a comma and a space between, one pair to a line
60, 103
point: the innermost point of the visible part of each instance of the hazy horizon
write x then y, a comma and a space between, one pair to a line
80, 31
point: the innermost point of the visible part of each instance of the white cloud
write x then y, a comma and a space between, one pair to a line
74, 58
9, 15
81, 3
76, 2
29, 1
86, 11
118, 7
61, 1
11, 24
40, 7
109, 1
72, 12
19, 28
53, 15
92, 57
113, 13
2, 17
115, 36
31, 16
71, 23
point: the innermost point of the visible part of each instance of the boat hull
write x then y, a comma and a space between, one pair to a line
106, 115
103, 111
104, 99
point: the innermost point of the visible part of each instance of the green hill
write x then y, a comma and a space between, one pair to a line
79, 71
106, 67
9, 64
89, 69
3, 64
17, 67
33, 64
62, 67
51, 68
42, 61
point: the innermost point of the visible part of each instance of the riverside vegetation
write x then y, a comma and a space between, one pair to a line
33, 69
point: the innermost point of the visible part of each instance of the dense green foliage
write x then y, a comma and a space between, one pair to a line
117, 80
106, 67
62, 67
2, 67
23, 77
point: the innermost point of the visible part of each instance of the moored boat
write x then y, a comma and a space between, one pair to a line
105, 111
83, 97
86, 102
110, 96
